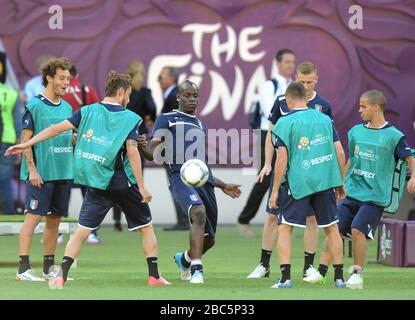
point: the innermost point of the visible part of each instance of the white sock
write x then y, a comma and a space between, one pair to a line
196, 262
186, 257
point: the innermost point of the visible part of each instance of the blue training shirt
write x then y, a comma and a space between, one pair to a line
188, 137
317, 102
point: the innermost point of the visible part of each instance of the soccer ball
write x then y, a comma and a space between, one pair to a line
194, 173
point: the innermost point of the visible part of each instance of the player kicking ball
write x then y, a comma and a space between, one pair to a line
198, 202
108, 162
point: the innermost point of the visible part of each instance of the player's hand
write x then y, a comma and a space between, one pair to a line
35, 179
142, 140
74, 138
411, 185
16, 149
232, 190
265, 171
340, 192
145, 194
272, 203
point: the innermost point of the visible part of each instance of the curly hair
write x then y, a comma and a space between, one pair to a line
50, 68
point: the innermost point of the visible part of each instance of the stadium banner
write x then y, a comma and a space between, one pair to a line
228, 48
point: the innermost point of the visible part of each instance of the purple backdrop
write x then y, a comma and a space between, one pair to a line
102, 35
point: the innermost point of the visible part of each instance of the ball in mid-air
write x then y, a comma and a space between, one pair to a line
194, 173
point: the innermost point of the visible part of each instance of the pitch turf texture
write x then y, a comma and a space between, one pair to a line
116, 269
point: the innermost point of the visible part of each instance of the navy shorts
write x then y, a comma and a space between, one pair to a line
186, 197
283, 188
295, 212
51, 198
97, 203
363, 216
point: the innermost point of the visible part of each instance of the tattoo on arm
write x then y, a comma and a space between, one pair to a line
28, 153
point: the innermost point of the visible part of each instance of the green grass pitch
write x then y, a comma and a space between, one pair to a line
117, 270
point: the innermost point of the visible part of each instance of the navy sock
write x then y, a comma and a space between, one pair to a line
286, 272
66, 265
308, 260
265, 257
48, 261
23, 264
153, 267
322, 268
338, 271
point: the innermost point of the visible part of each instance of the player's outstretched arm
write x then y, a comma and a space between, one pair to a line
45, 134
341, 159
279, 171
230, 189
135, 162
269, 153
148, 148
410, 161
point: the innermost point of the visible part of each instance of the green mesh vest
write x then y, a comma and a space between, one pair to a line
101, 135
53, 157
371, 176
312, 160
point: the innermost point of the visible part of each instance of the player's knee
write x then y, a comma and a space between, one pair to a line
312, 222
284, 229
271, 219
146, 229
52, 221
356, 233
198, 215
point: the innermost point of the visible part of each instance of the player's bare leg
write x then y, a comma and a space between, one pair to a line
269, 237
284, 255
196, 238
149, 242
359, 254
72, 250
50, 236
25, 241
270, 232
335, 246
311, 234
359, 247
208, 242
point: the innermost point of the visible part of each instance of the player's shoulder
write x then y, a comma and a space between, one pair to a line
65, 104
37, 101
395, 130
279, 102
281, 98
321, 100
359, 126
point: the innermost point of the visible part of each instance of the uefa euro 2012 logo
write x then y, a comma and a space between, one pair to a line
304, 144
88, 135
356, 150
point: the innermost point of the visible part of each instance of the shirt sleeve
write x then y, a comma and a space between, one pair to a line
133, 135
75, 118
27, 121
279, 142
160, 126
17, 117
275, 113
403, 150
336, 136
